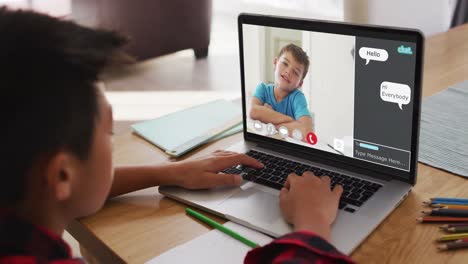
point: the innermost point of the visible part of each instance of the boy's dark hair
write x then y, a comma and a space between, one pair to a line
49, 102
299, 54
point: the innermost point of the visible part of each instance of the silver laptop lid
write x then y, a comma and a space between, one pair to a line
340, 94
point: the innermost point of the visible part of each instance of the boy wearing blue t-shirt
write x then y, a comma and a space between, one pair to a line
282, 103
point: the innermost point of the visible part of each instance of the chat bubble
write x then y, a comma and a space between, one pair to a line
373, 54
395, 93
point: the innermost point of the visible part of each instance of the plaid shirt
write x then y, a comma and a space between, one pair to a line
298, 247
23, 242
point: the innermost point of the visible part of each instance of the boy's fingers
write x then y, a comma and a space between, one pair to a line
283, 197
326, 179
236, 159
308, 173
338, 190
215, 179
292, 177
283, 193
248, 161
311, 175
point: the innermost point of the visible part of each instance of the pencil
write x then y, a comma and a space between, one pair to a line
453, 245
431, 203
221, 228
457, 229
450, 206
441, 219
446, 212
464, 200
453, 237
454, 201
462, 224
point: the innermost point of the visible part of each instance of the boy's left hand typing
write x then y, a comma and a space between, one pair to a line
203, 173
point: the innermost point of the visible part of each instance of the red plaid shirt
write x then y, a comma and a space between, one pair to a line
26, 243
297, 248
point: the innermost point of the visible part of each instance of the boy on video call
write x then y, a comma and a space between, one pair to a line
282, 103
57, 162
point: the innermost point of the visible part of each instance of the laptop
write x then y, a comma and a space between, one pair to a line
362, 99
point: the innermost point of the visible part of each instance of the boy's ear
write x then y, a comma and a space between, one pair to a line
300, 83
60, 172
275, 61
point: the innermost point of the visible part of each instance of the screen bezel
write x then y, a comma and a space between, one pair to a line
348, 163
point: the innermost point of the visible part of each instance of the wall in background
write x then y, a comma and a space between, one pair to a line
429, 16
317, 9
57, 8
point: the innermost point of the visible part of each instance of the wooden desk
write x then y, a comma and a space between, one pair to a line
135, 227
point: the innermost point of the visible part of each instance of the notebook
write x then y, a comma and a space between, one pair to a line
179, 132
213, 247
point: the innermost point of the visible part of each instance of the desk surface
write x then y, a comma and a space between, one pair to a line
136, 227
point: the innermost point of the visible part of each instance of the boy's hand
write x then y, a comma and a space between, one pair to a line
268, 106
203, 173
308, 203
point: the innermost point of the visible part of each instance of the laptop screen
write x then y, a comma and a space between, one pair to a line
344, 94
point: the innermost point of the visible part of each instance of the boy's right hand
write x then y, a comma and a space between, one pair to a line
308, 203
268, 106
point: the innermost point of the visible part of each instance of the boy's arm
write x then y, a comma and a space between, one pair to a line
267, 115
304, 124
298, 247
192, 174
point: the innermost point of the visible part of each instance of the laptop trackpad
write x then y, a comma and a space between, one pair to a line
253, 205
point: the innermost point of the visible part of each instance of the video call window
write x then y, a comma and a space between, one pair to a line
330, 92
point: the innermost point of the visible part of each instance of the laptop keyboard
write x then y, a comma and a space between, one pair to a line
355, 191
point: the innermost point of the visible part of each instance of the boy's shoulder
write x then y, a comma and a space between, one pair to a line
296, 94
266, 86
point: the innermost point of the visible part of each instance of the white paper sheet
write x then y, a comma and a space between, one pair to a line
213, 247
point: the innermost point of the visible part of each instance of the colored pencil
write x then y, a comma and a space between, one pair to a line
430, 203
441, 219
443, 199
457, 229
453, 245
463, 224
446, 212
450, 206
221, 228
453, 201
462, 240
453, 237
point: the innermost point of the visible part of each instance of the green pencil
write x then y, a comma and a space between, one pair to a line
221, 228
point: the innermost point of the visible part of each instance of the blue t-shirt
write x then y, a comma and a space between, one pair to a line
293, 105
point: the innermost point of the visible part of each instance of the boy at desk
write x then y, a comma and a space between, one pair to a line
282, 103
57, 143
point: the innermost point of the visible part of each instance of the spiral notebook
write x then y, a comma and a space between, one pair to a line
179, 132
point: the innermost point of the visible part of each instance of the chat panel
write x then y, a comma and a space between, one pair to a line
384, 101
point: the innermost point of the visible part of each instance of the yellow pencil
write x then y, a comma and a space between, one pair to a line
453, 237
